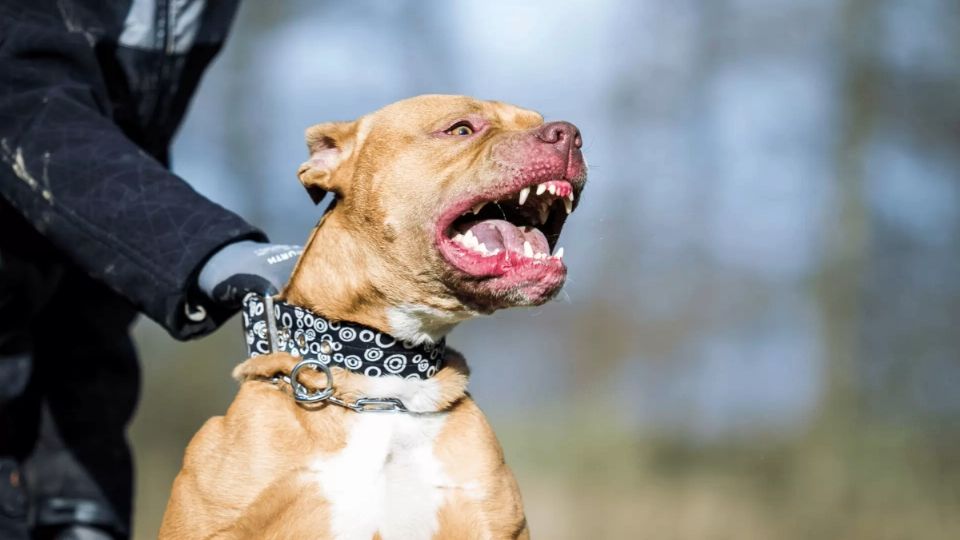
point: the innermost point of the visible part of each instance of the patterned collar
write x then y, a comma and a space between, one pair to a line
304, 334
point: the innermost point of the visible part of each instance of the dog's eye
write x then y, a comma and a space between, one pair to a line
460, 129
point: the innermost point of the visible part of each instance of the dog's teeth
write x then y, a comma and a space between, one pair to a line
458, 238
559, 253
527, 249
479, 206
552, 189
470, 240
481, 248
541, 188
570, 196
523, 195
568, 204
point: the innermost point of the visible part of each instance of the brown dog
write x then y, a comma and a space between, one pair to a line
447, 208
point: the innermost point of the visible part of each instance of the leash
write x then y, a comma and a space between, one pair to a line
272, 326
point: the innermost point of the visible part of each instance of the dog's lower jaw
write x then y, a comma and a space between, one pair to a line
343, 277
411, 322
420, 324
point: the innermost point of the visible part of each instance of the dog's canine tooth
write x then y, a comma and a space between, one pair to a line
479, 206
570, 196
541, 188
527, 249
524, 193
568, 204
559, 253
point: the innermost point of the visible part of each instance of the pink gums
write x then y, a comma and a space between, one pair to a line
562, 187
530, 163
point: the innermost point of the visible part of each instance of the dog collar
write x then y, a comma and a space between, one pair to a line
272, 326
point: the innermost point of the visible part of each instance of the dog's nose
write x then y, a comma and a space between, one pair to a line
561, 134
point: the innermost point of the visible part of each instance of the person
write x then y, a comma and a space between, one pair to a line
94, 228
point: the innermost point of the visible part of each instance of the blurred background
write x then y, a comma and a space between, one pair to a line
760, 335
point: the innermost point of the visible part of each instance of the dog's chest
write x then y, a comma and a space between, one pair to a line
387, 478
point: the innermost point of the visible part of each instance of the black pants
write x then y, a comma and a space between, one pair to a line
69, 382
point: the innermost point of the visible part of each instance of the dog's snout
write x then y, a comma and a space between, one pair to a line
561, 134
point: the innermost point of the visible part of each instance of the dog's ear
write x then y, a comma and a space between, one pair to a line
330, 146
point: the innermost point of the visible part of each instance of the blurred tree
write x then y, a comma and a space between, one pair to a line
838, 285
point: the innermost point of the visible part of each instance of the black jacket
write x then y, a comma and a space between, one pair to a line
91, 93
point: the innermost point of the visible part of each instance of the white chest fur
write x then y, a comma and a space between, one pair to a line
386, 479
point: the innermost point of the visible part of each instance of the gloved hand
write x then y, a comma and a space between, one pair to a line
245, 267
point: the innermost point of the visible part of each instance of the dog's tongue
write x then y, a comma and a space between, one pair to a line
501, 234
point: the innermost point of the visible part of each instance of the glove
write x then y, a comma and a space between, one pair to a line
245, 267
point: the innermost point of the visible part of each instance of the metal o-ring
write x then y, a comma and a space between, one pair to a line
300, 392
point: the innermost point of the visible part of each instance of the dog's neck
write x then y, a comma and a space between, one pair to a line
344, 278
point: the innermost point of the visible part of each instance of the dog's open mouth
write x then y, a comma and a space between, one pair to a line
494, 234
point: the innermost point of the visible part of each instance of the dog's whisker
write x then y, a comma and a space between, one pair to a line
503, 213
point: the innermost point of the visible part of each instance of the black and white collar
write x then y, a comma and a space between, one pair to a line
304, 334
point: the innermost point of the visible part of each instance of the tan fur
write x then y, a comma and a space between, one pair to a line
248, 473
372, 252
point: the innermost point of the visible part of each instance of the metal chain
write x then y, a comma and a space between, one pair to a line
302, 395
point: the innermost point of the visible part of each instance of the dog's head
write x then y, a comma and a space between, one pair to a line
449, 202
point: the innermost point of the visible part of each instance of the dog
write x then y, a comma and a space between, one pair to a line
446, 208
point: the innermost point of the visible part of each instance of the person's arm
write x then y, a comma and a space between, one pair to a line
108, 206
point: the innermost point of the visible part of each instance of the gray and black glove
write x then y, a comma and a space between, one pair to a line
245, 267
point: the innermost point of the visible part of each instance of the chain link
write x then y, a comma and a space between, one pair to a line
302, 394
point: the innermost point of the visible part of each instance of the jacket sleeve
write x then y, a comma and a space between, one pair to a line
113, 210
